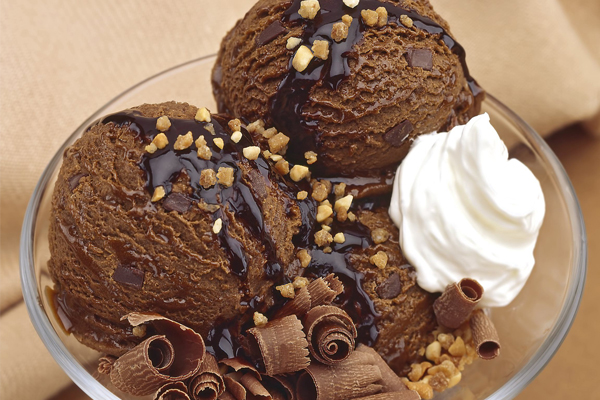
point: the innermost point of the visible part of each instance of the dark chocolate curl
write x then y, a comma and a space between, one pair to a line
105, 364
485, 335
280, 345
457, 302
233, 389
172, 391
298, 306
208, 381
390, 381
240, 365
254, 386
330, 333
324, 290
353, 378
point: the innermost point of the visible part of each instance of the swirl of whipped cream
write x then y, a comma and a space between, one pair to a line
465, 210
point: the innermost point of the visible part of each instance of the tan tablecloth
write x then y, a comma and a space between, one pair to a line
61, 60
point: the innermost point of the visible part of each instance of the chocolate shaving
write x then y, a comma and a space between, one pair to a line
330, 333
280, 346
254, 386
485, 335
174, 354
422, 58
172, 391
390, 288
233, 389
399, 133
239, 364
390, 381
355, 377
298, 306
457, 302
406, 395
208, 381
324, 290
270, 33
129, 276
177, 202
105, 364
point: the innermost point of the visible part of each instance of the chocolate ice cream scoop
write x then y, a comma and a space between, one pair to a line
353, 85
157, 209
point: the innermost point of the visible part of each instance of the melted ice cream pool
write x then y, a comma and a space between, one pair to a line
464, 209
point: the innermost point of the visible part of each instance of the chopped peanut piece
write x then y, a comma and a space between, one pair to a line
200, 141
225, 176
344, 203
160, 141
217, 226
184, 141
159, 193
163, 123
433, 351
251, 152
286, 290
320, 49
339, 238
351, 3
379, 260
208, 178
418, 370
278, 142
236, 136
323, 212
257, 126
235, 125
311, 157
327, 250
299, 172
370, 17
210, 128
351, 216
304, 258
259, 319
323, 238
302, 195
204, 153
302, 58
326, 227
283, 167
309, 8
457, 349
446, 340
139, 330
380, 235
454, 380
203, 115
275, 157
300, 282
339, 31
269, 133
347, 20
422, 388
292, 43
151, 148
219, 143
319, 192
267, 154
341, 215
382, 16
339, 189
406, 21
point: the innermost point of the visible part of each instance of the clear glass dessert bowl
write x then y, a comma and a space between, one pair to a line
531, 328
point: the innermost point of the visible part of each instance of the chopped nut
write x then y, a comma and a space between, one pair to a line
159, 193
236, 136
235, 125
302, 58
302, 195
351, 216
259, 319
323, 212
217, 226
151, 148
311, 157
278, 142
446, 340
438, 382
447, 368
422, 388
251, 152
327, 250
379, 260
457, 349
380, 235
283, 167
339, 189
276, 157
418, 370
339, 31
323, 238
292, 43
204, 152
203, 115
351, 3
370, 17
343, 203
433, 351
160, 141
208, 178
382, 16
210, 128
326, 227
184, 141
347, 20
454, 380
163, 123
200, 141
406, 21
325, 202
300, 282
299, 172
269, 133
339, 238
341, 215
266, 154
320, 49
139, 330
219, 143
319, 192
209, 208
286, 290
309, 8
304, 257
225, 176
257, 126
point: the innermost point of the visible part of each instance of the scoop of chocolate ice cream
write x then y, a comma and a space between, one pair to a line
376, 76
183, 223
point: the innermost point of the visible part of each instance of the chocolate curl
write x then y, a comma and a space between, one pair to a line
254, 386
280, 345
233, 389
390, 381
239, 364
299, 305
353, 378
324, 290
175, 354
485, 335
208, 381
172, 391
105, 364
330, 333
457, 302
406, 395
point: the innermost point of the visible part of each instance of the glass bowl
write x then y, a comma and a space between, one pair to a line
531, 328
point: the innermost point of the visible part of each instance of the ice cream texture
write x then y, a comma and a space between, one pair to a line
464, 209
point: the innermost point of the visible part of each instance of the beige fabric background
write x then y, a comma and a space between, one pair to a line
61, 60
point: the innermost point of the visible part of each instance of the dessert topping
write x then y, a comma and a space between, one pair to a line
282, 166
184, 141
210, 128
278, 143
217, 226
485, 335
235, 125
236, 136
370, 17
251, 152
286, 290
309, 9
339, 238
330, 333
302, 195
158, 194
163, 123
292, 43
351, 3
177, 202
225, 176
259, 319
208, 178
203, 115
382, 16
299, 172
406, 21
457, 302
379, 260
320, 49
311, 157
302, 58
219, 143
339, 31
304, 257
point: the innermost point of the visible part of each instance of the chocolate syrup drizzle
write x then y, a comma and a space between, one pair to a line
287, 106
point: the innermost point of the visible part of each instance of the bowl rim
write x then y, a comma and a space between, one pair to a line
93, 388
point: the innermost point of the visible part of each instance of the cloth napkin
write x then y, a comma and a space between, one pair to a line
61, 60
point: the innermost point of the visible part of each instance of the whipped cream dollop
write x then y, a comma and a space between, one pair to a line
465, 210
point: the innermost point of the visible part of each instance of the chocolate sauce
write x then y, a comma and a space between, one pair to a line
287, 106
